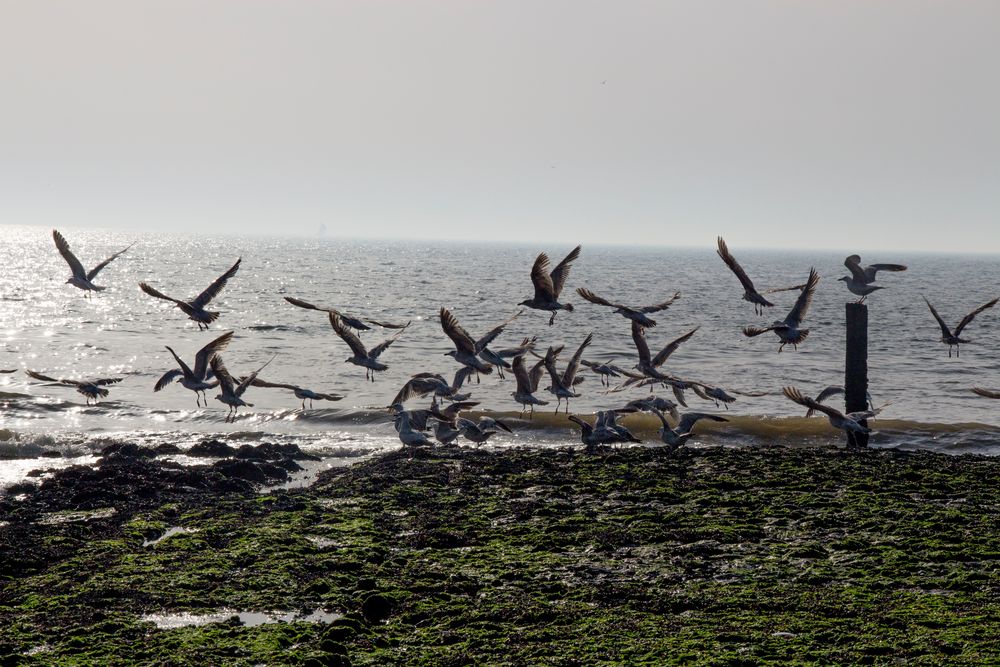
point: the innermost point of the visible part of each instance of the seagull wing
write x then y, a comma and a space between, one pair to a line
671, 346
985, 392
167, 378
689, 419
663, 420
521, 375
347, 335
875, 268
661, 306
213, 290
97, 269
971, 316
153, 292
492, 334
257, 382
574, 362
944, 327
750, 331
103, 382
798, 311
461, 375
561, 272
593, 298
550, 366
383, 346
74, 264
537, 371
222, 375
206, 353
305, 304
734, 266
853, 264
387, 325
248, 380
544, 290
639, 338
459, 336
832, 390
793, 394
40, 377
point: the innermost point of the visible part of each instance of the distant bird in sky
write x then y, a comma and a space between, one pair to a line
527, 384
788, 330
677, 437
362, 356
562, 385
232, 393
648, 365
81, 277
850, 422
197, 380
358, 324
92, 389
638, 314
952, 338
300, 392
750, 292
548, 286
861, 278
195, 308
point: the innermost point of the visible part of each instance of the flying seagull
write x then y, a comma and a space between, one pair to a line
499, 358
648, 365
481, 431
300, 392
362, 357
232, 393
92, 389
196, 380
548, 286
788, 329
467, 350
677, 437
358, 324
651, 403
861, 278
850, 423
81, 277
562, 385
950, 338
195, 308
638, 314
606, 370
750, 292
527, 384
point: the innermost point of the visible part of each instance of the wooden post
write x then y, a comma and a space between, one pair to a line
856, 367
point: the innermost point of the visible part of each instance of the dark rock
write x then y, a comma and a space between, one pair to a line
212, 448
241, 469
376, 608
50, 454
268, 451
165, 448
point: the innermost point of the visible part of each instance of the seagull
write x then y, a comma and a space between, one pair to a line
352, 322
445, 433
196, 380
607, 422
92, 389
861, 278
651, 403
300, 392
422, 384
483, 430
788, 329
467, 350
81, 278
499, 358
232, 393
677, 437
649, 366
195, 308
527, 384
548, 286
709, 393
362, 357
834, 390
407, 434
635, 313
606, 370
987, 393
950, 338
849, 423
587, 434
419, 419
750, 293
562, 386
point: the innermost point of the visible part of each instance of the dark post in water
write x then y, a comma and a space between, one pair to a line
856, 368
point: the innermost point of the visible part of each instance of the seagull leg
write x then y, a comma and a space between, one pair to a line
552, 319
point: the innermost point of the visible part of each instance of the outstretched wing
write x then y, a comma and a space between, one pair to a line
459, 336
213, 290
97, 269
639, 338
387, 325
946, 332
593, 298
264, 384
875, 268
492, 334
103, 382
521, 375
544, 290
537, 371
167, 378
798, 311
853, 264
985, 392
74, 264
346, 334
655, 308
305, 304
206, 353
561, 272
574, 362
40, 377
248, 380
793, 394
735, 267
222, 374
971, 316
671, 347
153, 292
689, 419
383, 346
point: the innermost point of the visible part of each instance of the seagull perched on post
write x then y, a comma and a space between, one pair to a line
562, 386
951, 338
750, 292
788, 329
195, 308
362, 356
81, 277
638, 314
548, 286
861, 278
92, 389
196, 380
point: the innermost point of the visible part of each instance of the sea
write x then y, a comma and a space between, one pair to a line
51, 327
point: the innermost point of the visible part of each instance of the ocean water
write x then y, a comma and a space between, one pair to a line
50, 327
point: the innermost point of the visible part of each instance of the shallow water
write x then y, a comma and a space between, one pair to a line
50, 327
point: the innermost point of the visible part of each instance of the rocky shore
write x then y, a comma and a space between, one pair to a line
524, 557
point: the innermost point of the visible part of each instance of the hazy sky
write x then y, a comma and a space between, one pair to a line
800, 123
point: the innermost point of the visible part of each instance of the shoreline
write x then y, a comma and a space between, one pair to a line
513, 556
